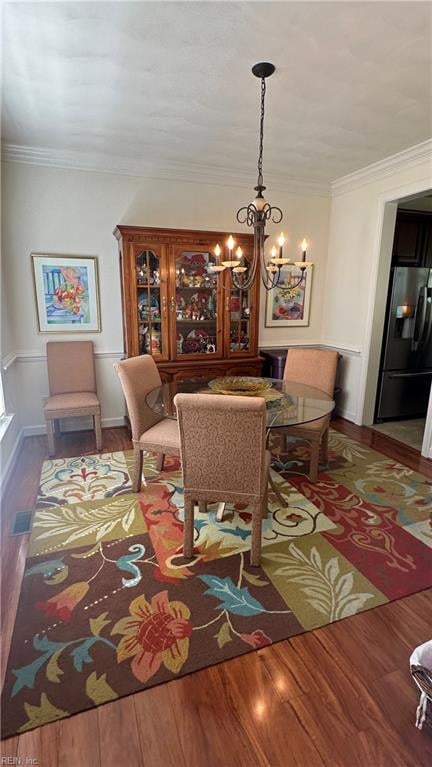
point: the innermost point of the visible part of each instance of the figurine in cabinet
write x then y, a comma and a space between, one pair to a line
180, 340
152, 342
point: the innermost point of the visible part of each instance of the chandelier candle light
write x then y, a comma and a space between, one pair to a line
255, 215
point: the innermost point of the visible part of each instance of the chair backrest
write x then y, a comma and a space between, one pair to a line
138, 376
222, 442
71, 367
313, 367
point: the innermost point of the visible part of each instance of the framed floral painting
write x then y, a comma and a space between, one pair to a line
67, 293
288, 303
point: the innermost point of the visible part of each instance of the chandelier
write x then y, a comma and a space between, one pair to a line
256, 214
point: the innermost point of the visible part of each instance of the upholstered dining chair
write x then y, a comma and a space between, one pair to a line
224, 458
72, 387
316, 368
150, 432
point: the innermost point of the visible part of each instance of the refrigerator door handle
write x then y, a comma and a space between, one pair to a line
420, 374
419, 319
428, 324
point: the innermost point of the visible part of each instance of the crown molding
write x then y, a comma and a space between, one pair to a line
415, 155
185, 172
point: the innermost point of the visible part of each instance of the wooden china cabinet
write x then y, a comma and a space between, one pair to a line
178, 310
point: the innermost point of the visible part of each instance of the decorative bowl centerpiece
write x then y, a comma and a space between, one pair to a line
246, 386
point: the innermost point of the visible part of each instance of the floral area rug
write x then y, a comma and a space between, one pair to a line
109, 606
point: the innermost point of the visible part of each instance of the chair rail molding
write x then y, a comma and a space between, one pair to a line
37, 356
8, 361
353, 351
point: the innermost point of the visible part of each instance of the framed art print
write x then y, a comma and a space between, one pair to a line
288, 303
67, 293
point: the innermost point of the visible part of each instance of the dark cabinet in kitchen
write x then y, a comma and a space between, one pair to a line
412, 245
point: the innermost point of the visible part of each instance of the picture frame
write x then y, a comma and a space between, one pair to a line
288, 307
66, 293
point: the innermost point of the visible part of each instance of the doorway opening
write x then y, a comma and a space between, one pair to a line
404, 334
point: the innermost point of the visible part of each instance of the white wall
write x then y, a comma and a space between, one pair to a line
53, 210
352, 287
10, 430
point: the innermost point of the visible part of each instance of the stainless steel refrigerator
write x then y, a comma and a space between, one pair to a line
406, 361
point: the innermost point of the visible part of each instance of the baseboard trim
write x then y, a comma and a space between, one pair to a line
108, 423
40, 429
347, 414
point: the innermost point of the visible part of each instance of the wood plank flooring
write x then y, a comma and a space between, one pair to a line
340, 696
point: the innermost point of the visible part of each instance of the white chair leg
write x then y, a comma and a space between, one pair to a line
220, 512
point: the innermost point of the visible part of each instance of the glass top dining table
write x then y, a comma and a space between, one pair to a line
287, 403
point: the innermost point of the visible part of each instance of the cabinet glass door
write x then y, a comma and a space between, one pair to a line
151, 302
195, 306
239, 306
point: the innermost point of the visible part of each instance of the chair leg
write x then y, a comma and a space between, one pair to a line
314, 461
188, 531
264, 508
50, 435
202, 505
220, 512
324, 446
277, 492
137, 469
160, 460
255, 554
98, 431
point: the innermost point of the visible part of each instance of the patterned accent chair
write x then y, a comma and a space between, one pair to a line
150, 432
72, 387
224, 458
317, 368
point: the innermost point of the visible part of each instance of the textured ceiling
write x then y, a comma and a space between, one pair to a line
170, 82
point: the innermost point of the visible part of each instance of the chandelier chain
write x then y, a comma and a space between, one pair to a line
260, 155
256, 215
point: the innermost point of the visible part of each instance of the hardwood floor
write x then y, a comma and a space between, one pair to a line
339, 696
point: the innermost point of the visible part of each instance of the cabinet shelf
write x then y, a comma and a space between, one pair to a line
196, 322
194, 288
144, 287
